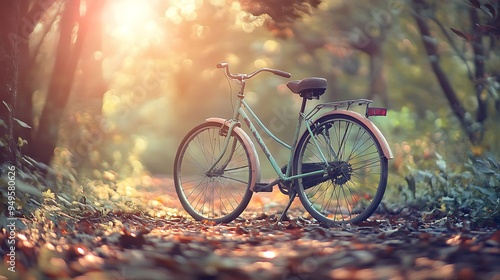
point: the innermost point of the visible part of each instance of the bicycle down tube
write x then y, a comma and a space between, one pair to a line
242, 105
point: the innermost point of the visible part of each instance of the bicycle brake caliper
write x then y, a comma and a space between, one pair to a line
224, 129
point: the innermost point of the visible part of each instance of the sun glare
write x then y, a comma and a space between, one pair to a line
183, 10
131, 20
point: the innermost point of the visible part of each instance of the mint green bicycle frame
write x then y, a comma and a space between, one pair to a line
241, 111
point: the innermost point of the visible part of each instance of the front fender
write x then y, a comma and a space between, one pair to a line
252, 152
386, 150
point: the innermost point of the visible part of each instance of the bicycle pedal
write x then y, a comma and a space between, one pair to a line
263, 187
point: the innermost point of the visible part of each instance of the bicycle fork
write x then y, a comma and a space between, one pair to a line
224, 131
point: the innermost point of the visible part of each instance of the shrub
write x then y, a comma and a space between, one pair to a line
473, 191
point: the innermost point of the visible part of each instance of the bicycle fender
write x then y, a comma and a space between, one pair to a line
254, 158
370, 125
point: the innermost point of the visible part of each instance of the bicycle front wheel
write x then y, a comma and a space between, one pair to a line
355, 177
220, 194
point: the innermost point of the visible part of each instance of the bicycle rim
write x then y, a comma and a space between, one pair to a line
356, 176
222, 195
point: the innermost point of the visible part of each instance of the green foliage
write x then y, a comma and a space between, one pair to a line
434, 167
20, 188
24, 192
492, 27
282, 12
473, 190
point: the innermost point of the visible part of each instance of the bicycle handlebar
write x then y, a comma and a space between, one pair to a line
242, 77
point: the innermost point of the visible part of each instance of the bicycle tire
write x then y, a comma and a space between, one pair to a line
220, 197
355, 180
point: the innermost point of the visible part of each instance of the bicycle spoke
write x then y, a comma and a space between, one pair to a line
221, 194
241, 168
330, 199
315, 194
338, 205
348, 205
237, 180
328, 147
199, 197
196, 187
342, 134
373, 162
372, 146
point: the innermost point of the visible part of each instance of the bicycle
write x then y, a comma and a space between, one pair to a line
338, 166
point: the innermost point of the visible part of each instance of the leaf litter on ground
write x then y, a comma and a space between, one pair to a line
125, 244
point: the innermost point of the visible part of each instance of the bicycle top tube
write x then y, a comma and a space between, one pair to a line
242, 77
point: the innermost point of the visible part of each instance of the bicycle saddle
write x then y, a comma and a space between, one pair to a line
309, 87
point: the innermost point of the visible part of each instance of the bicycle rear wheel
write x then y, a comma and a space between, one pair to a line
219, 195
355, 177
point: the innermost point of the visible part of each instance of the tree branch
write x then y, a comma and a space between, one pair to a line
430, 46
453, 45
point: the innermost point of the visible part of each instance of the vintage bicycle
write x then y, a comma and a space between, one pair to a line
338, 163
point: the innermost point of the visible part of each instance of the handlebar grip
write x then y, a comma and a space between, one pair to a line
282, 73
222, 65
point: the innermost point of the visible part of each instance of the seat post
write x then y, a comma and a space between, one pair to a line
303, 107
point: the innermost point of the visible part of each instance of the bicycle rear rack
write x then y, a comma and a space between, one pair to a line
337, 105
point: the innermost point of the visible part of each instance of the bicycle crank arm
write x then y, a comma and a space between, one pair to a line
265, 187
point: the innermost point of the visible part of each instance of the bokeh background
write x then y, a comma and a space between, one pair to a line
107, 89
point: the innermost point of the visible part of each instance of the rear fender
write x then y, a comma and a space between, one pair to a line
386, 150
252, 152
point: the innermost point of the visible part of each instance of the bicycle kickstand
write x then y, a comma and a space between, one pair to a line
292, 196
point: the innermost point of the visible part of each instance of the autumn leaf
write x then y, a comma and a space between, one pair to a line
475, 3
491, 10
485, 29
461, 34
21, 123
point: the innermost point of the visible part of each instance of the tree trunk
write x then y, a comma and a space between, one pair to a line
91, 59
65, 65
430, 45
378, 85
88, 136
372, 46
24, 103
9, 57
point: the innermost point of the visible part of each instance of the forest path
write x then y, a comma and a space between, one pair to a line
123, 245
